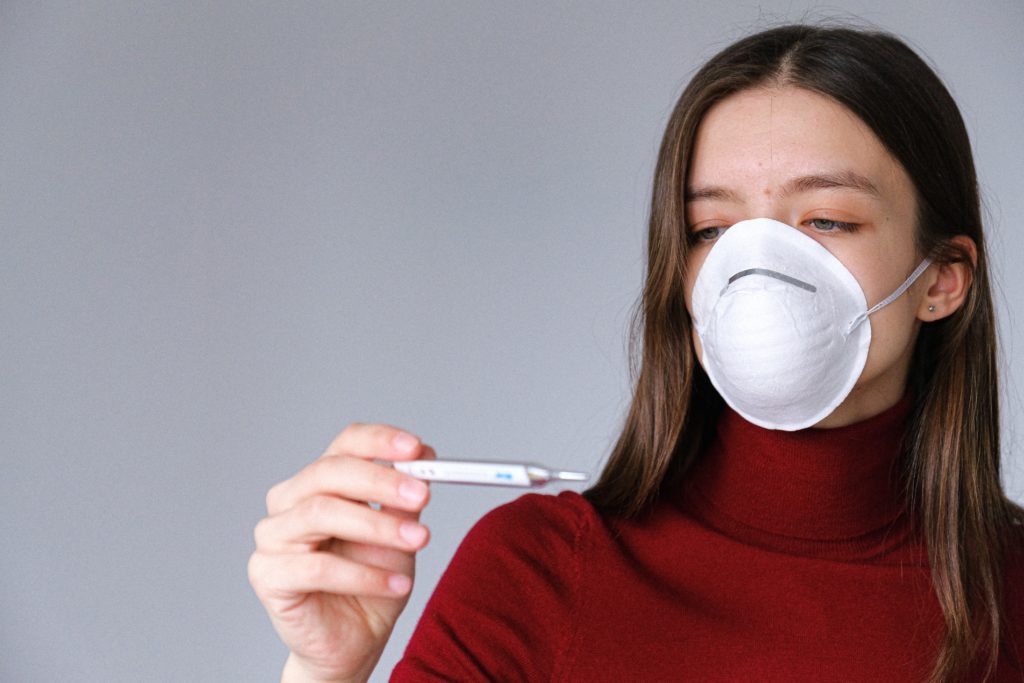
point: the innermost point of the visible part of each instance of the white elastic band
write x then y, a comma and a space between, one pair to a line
895, 295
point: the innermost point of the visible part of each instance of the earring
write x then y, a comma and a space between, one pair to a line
931, 309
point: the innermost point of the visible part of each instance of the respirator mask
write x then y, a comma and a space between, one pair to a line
782, 323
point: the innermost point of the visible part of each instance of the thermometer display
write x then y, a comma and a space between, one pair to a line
522, 474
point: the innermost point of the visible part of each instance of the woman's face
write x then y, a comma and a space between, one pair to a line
803, 159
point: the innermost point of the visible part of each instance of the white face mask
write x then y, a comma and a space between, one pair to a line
783, 324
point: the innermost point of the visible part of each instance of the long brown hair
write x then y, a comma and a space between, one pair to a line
952, 443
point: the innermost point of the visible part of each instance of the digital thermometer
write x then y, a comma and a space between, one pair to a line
522, 474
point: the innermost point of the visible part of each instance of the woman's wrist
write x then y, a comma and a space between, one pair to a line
294, 672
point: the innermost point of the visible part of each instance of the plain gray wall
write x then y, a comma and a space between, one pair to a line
229, 229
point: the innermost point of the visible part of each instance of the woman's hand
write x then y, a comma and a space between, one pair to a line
333, 572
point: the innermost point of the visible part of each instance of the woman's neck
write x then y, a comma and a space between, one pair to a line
872, 395
808, 491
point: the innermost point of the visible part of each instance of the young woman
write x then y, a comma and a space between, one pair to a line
807, 483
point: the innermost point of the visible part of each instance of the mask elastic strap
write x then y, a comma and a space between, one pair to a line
892, 297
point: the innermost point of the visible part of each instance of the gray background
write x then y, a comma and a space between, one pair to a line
229, 229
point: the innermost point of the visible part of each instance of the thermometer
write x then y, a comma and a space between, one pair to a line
480, 472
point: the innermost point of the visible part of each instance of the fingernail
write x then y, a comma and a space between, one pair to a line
399, 583
404, 442
413, 490
412, 533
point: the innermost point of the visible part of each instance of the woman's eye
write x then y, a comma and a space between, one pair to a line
827, 225
707, 234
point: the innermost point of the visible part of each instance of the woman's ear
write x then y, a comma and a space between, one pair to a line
951, 282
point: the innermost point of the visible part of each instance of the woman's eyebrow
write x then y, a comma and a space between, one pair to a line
845, 179
710, 192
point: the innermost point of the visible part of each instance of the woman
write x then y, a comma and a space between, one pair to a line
838, 515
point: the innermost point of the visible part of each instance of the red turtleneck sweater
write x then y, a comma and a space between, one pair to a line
786, 556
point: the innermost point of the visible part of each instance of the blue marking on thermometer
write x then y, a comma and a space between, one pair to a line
523, 474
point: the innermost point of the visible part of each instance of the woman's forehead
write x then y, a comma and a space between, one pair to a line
776, 140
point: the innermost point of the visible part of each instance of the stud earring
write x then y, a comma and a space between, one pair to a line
931, 309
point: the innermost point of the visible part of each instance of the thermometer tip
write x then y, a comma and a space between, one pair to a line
570, 476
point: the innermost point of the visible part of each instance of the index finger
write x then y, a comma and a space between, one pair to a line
375, 441
352, 478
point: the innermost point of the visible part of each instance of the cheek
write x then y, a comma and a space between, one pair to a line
893, 334
893, 328
880, 262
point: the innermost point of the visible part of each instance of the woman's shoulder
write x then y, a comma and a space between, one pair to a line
536, 537
520, 560
535, 521
565, 505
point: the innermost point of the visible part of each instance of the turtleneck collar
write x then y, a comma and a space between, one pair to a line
824, 492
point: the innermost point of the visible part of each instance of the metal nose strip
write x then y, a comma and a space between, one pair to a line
771, 273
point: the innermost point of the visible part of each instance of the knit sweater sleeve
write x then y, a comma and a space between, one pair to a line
504, 608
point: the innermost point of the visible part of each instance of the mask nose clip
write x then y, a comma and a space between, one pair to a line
768, 272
